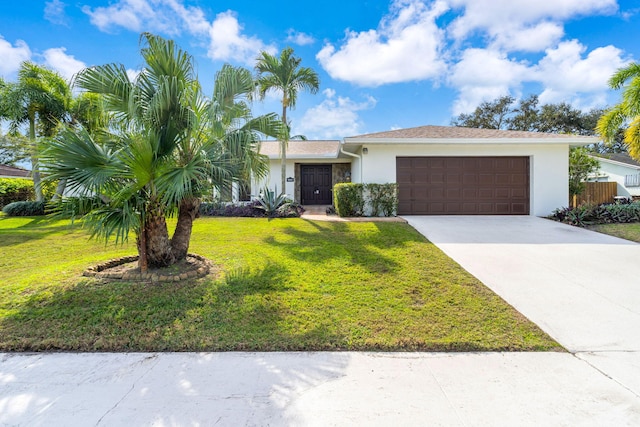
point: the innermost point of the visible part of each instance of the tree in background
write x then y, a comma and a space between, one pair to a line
166, 144
40, 99
625, 114
284, 75
528, 115
581, 165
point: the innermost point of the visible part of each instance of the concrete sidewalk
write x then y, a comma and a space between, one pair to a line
310, 389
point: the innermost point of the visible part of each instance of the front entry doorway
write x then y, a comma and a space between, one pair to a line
315, 188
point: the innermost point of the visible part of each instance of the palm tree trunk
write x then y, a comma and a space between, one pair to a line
35, 169
283, 148
62, 185
187, 213
158, 245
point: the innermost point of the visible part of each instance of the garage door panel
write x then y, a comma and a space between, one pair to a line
485, 179
469, 178
463, 185
437, 178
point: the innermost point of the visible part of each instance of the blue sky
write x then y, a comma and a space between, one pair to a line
382, 64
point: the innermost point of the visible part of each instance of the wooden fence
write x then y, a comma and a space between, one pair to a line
596, 193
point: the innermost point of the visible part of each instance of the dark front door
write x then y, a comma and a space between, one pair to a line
316, 184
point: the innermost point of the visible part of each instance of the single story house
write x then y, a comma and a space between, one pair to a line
621, 168
440, 170
7, 171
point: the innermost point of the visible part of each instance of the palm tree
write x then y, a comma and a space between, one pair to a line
167, 144
283, 74
627, 112
40, 99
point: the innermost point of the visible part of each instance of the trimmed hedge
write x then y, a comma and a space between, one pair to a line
24, 209
383, 199
15, 190
352, 199
348, 199
22, 190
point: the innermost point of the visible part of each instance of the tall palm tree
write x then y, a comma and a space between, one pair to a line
168, 143
283, 74
40, 99
627, 112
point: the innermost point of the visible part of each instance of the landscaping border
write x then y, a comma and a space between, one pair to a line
100, 271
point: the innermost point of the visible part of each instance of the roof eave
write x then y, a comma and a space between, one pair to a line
617, 163
577, 141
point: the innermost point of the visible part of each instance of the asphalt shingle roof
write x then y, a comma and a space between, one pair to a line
297, 148
455, 132
6, 170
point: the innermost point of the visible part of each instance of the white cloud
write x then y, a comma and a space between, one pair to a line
12, 56
567, 75
54, 12
299, 38
510, 24
66, 65
334, 117
128, 14
228, 42
132, 74
407, 46
483, 75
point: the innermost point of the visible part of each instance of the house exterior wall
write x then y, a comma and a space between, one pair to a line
617, 173
549, 166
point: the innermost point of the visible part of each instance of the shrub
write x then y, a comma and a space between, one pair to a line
15, 190
348, 199
251, 210
29, 208
230, 209
587, 214
382, 199
269, 202
365, 199
289, 210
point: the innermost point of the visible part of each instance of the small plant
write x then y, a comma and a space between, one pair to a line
588, 214
24, 209
269, 202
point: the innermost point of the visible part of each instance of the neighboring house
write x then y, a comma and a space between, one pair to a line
621, 168
7, 171
440, 170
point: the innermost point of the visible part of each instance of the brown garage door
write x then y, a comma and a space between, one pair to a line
463, 185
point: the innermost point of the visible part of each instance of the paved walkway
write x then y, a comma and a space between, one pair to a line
553, 274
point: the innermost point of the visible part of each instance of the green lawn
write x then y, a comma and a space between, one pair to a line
625, 231
287, 284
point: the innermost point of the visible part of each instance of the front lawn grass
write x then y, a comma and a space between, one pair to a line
287, 284
625, 231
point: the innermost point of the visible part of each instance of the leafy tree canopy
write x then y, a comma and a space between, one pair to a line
626, 114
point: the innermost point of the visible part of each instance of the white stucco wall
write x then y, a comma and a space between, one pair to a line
617, 173
549, 166
274, 178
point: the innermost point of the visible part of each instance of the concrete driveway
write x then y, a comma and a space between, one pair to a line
581, 287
